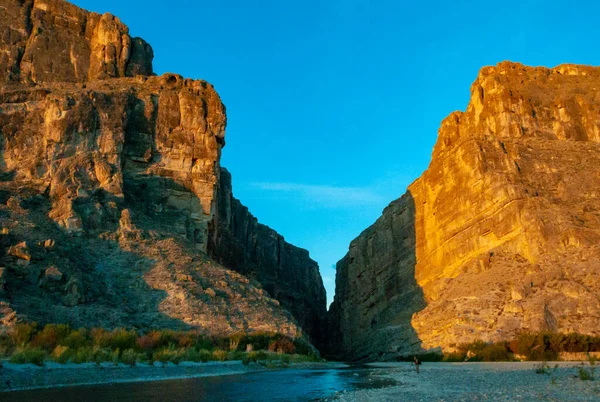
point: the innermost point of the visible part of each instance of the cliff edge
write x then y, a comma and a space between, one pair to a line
109, 190
499, 235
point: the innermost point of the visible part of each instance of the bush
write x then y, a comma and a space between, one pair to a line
101, 355
220, 355
205, 355
129, 357
122, 339
6, 345
114, 356
204, 343
84, 354
496, 352
28, 354
22, 333
61, 354
282, 345
169, 355
51, 336
455, 357
98, 345
76, 339
261, 355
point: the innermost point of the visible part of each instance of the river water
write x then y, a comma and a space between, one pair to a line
282, 385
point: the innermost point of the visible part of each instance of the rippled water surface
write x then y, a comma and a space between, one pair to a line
283, 385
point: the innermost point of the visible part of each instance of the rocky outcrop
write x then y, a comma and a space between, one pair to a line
54, 41
109, 184
257, 251
499, 235
152, 141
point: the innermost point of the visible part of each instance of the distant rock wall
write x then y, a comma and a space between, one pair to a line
285, 271
506, 225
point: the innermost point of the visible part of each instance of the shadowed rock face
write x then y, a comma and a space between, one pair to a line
506, 223
285, 271
55, 41
109, 187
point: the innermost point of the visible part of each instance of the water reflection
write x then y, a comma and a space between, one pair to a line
283, 385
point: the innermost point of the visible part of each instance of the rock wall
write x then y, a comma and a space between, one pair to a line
506, 225
152, 141
109, 185
257, 251
55, 41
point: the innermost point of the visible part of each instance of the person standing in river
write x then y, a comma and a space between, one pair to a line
417, 363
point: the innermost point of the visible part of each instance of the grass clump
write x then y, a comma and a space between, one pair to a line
28, 354
588, 373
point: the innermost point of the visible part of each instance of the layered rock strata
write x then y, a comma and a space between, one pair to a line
109, 189
499, 235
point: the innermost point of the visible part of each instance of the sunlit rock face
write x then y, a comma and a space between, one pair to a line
109, 190
504, 230
55, 41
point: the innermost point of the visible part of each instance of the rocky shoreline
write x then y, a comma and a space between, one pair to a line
502, 381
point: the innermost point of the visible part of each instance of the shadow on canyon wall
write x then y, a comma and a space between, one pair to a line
102, 284
376, 291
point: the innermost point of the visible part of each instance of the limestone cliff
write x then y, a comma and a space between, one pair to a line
499, 235
52, 41
109, 189
257, 251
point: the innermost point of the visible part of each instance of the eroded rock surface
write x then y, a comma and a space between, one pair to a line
503, 235
257, 251
55, 41
109, 184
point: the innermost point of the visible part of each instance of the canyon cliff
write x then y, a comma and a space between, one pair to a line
500, 235
113, 206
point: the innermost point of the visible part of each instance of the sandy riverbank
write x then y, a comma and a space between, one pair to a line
480, 381
14, 377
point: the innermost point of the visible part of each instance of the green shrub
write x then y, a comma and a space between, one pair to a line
129, 357
455, 357
122, 339
6, 345
51, 336
61, 354
205, 355
28, 354
542, 368
22, 333
496, 352
76, 339
83, 354
235, 355
262, 355
220, 355
584, 374
101, 355
169, 355
203, 343
114, 356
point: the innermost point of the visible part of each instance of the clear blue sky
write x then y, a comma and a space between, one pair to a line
333, 106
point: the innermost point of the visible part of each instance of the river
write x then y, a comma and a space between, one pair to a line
282, 385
